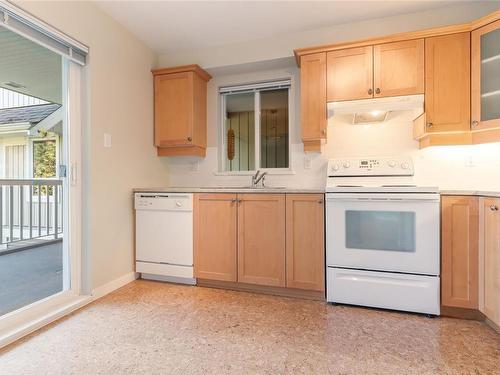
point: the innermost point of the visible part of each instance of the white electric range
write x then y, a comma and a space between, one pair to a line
382, 236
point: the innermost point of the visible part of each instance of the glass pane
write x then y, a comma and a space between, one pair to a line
380, 230
33, 248
490, 75
239, 131
274, 128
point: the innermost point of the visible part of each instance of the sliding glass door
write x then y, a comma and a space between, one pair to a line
34, 258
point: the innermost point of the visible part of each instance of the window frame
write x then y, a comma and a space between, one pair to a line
257, 89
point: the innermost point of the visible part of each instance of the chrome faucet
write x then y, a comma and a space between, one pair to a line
258, 177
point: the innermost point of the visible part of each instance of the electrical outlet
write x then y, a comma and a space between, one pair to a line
195, 166
307, 162
469, 162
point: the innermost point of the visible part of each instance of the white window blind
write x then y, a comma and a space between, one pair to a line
280, 84
24, 24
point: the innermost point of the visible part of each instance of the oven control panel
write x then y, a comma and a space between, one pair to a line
371, 166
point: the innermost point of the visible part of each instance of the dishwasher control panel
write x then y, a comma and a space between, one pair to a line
164, 201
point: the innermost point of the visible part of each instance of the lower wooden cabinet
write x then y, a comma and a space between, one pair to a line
490, 259
459, 251
261, 239
305, 244
215, 236
269, 240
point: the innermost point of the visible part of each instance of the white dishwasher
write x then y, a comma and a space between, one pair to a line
164, 236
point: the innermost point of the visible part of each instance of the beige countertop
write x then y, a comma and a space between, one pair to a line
285, 190
276, 190
482, 193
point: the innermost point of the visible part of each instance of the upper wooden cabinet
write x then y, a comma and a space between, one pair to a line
313, 100
486, 77
180, 101
447, 83
215, 236
459, 251
350, 74
389, 69
398, 68
305, 247
490, 258
261, 239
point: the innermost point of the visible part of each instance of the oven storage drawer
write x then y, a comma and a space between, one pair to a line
415, 293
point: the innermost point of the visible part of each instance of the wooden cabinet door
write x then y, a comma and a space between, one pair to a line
350, 74
459, 251
305, 248
398, 68
485, 77
215, 240
261, 239
447, 82
173, 109
490, 258
313, 96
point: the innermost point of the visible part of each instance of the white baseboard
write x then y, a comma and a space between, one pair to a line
102, 290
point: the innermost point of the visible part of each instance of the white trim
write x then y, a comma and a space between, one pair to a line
274, 84
48, 122
34, 26
102, 290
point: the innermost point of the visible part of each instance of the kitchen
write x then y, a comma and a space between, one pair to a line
356, 180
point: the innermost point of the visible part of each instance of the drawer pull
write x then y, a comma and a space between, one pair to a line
493, 207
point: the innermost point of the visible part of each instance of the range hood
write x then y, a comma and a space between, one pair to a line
369, 111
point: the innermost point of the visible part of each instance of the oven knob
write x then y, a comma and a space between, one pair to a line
346, 164
405, 165
392, 163
335, 167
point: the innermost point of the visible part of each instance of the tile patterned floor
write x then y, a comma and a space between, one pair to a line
156, 328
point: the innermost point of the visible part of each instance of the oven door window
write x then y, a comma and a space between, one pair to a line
380, 230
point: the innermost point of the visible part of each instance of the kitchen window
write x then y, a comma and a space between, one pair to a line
255, 126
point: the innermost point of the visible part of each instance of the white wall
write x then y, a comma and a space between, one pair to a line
121, 104
281, 46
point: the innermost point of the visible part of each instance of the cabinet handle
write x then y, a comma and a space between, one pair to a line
370, 91
320, 201
377, 91
190, 139
324, 131
430, 125
234, 200
493, 207
475, 123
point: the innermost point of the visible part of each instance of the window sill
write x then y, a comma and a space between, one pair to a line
270, 172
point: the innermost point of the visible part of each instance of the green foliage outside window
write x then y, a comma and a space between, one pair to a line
44, 162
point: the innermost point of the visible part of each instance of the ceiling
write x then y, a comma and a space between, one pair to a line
30, 65
169, 26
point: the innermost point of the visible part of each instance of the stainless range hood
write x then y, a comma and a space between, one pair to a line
369, 111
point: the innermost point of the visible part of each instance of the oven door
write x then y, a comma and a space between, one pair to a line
386, 232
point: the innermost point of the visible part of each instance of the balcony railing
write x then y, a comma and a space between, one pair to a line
30, 209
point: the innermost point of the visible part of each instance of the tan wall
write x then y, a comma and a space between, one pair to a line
121, 103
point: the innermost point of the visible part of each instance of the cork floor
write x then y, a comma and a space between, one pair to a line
148, 327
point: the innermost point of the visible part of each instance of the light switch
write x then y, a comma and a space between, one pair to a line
107, 140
